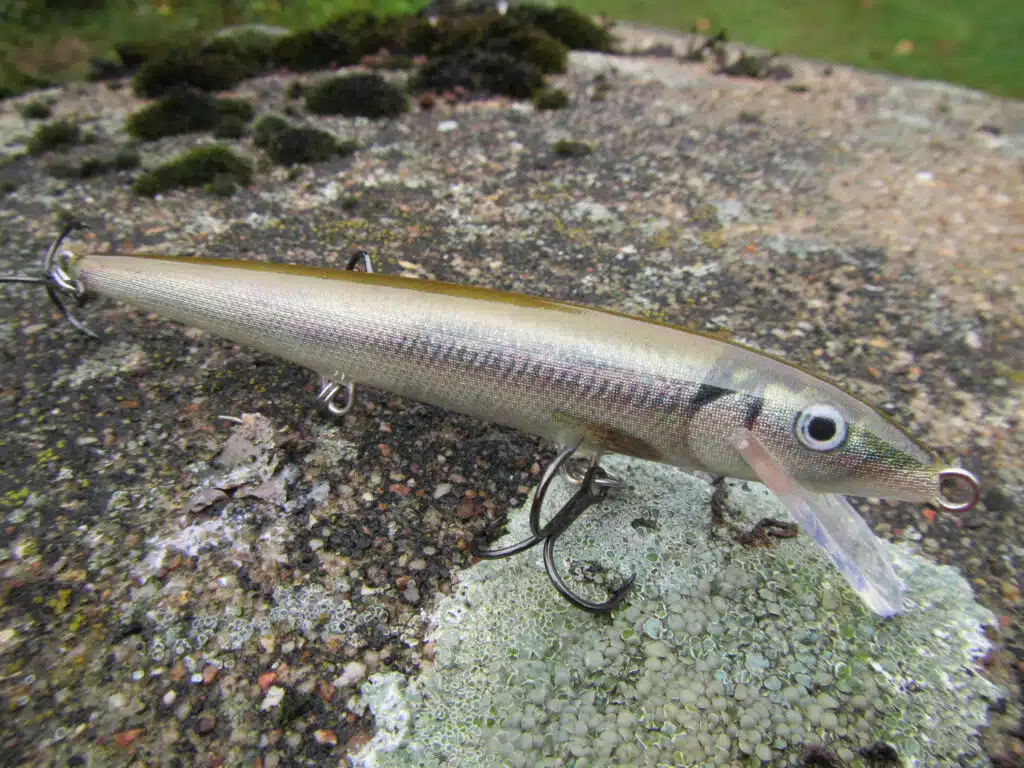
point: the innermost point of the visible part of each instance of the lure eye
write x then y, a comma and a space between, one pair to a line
821, 428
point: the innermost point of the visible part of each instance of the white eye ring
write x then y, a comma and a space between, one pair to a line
821, 428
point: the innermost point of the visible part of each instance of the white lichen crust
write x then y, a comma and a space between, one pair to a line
723, 656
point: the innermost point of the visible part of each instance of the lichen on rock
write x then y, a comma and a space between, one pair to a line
724, 655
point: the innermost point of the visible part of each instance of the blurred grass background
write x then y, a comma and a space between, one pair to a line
978, 43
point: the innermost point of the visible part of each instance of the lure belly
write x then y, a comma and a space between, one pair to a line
595, 380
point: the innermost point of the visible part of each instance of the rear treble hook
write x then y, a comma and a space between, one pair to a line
594, 485
60, 287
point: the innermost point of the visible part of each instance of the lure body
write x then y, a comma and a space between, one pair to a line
552, 369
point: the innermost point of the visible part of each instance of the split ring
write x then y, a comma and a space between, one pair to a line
962, 476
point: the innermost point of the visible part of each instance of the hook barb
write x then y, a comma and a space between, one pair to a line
593, 487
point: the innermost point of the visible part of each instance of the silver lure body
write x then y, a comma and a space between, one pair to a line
552, 369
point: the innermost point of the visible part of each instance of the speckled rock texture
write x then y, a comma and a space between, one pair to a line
727, 654
201, 568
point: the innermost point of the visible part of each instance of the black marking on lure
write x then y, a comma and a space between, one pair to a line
753, 412
705, 395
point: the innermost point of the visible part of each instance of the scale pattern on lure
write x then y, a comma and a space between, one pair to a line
589, 380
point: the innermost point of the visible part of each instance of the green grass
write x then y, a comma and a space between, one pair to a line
979, 43
975, 43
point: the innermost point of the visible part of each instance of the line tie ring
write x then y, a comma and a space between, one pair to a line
960, 477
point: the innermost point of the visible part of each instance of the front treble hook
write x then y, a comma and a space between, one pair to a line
594, 485
60, 286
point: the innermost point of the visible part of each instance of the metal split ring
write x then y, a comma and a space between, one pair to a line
330, 389
958, 474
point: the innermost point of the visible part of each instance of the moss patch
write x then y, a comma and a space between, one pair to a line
203, 70
360, 95
37, 109
347, 38
209, 167
571, 148
550, 99
266, 128
497, 73
286, 144
60, 134
252, 49
573, 29
125, 159
186, 110
502, 34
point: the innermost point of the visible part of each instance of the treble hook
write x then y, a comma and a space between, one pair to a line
329, 389
58, 283
594, 485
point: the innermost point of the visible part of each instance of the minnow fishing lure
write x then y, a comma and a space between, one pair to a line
591, 381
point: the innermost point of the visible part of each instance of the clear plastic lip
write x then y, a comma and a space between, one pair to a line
834, 525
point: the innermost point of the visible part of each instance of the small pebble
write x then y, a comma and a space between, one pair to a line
124, 738
266, 680
351, 674
273, 697
325, 738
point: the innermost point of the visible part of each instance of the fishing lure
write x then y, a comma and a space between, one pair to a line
591, 381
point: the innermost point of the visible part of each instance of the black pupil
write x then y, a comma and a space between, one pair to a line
821, 429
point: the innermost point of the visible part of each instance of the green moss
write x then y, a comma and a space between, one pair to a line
239, 109
222, 185
206, 166
365, 95
537, 48
504, 35
134, 54
206, 71
301, 145
59, 134
550, 99
571, 148
310, 49
601, 88
87, 169
126, 159
37, 109
266, 128
253, 49
348, 37
363, 31
230, 127
293, 706
186, 110
570, 27
286, 144
497, 73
